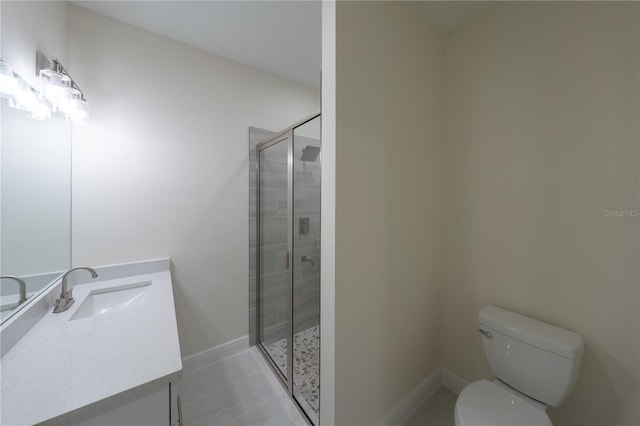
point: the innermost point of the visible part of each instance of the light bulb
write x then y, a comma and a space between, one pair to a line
40, 111
26, 99
55, 87
77, 109
23, 99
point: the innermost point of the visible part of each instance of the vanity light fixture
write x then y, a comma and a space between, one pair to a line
21, 95
59, 89
77, 108
58, 92
25, 98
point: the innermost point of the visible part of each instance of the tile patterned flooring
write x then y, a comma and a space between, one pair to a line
241, 390
437, 411
238, 390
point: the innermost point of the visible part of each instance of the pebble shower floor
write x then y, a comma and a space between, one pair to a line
306, 363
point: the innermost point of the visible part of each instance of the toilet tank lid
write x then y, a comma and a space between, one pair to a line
533, 332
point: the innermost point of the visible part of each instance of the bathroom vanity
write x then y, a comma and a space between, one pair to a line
113, 358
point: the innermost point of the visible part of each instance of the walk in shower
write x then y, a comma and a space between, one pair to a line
285, 252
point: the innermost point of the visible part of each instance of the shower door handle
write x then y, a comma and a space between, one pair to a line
286, 262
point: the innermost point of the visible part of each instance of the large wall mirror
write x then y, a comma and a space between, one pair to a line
35, 205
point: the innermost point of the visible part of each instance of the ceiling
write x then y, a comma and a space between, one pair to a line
280, 37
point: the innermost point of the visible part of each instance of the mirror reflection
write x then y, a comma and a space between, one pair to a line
35, 205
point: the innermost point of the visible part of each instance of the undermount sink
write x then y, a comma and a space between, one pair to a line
112, 299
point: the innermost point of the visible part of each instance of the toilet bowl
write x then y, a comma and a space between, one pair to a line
486, 403
536, 364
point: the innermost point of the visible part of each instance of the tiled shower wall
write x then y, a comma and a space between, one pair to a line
306, 273
273, 276
256, 136
306, 205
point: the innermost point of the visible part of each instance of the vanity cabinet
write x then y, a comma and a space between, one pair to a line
156, 406
116, 366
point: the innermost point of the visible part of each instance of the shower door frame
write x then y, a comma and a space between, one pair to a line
287, 382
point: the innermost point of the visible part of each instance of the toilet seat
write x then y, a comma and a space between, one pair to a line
484, 403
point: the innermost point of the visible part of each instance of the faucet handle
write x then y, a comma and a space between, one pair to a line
64, 302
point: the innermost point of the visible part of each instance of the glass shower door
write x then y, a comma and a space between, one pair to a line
274, 298
306, 267
288, 266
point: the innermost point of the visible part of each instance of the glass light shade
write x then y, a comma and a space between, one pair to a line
77, 109
55, 87
26, 99
57, 92
40, 111
23, 99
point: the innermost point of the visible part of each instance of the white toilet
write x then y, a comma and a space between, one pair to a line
536, 364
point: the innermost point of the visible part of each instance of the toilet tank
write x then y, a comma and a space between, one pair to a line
536, 358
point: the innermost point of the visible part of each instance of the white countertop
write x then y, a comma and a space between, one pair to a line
61, 368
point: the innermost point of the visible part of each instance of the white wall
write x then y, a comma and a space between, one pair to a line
541, 125
28, 26
161, 168
387, 258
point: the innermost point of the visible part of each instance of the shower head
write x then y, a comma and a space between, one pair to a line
310, 153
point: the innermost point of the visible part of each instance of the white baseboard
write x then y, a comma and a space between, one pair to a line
414, 399
452, 381
215, 354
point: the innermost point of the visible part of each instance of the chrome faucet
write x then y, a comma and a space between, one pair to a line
66, 299
21, 284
